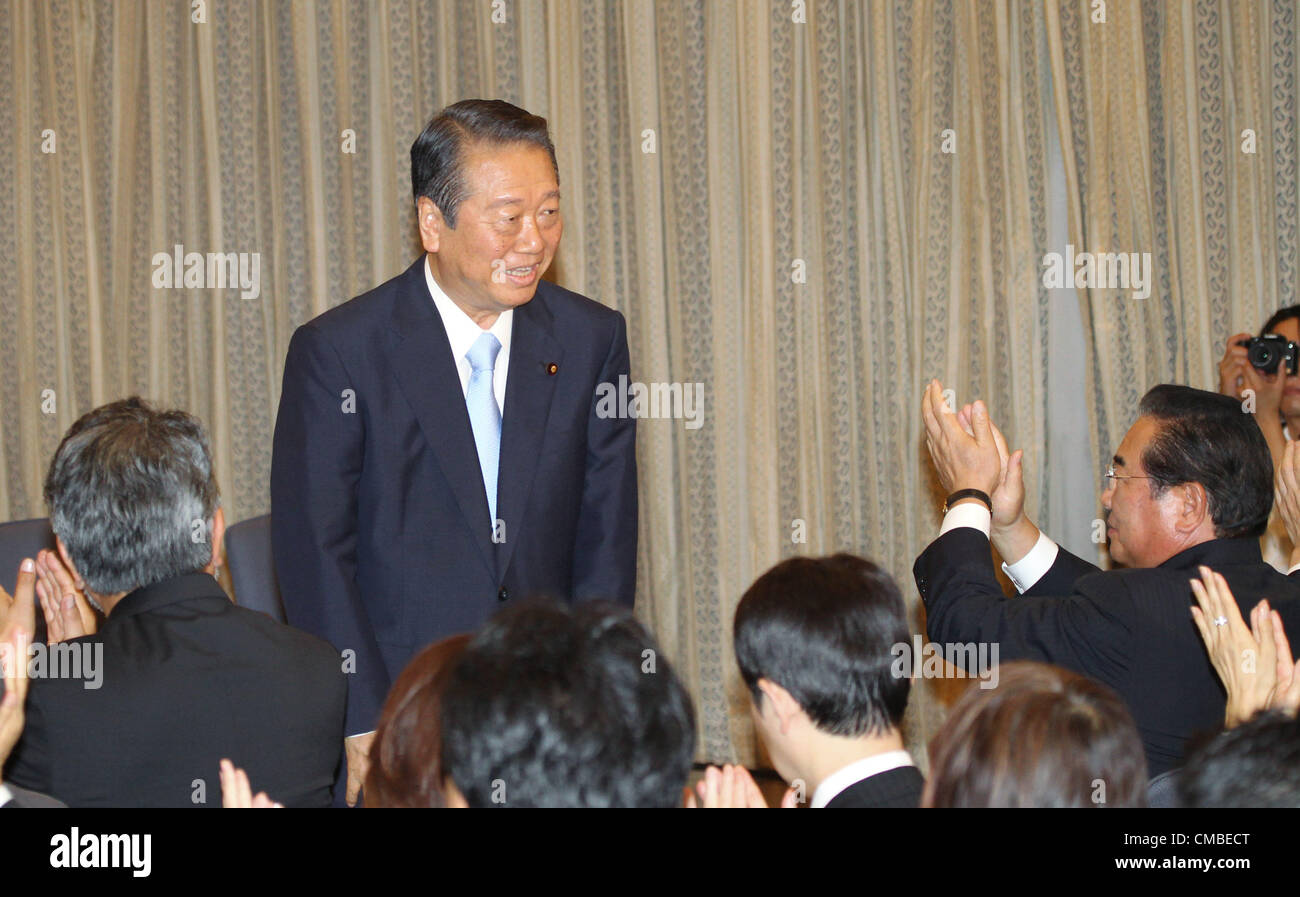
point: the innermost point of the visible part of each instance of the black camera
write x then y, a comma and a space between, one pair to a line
1268, 351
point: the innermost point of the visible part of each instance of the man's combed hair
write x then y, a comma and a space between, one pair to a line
1208, 438
824, 630
552, 706
131, 493
438, 154
1257, 764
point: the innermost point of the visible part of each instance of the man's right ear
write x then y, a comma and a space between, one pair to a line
431, 223
782, 703
77, 581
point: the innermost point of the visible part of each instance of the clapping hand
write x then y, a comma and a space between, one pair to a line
731, 786
17, 622
1286, 493
67, 613
1009, 496
237, 793
1255, 663
963, 460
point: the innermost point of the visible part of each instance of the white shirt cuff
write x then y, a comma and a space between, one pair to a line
1033, 566
972, 514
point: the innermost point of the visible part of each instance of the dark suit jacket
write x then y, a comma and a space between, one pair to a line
379, 517
1130, 629
900, 787
186, 678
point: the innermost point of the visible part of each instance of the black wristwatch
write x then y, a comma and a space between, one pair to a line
967, 493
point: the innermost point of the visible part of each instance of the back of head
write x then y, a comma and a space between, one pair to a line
131, 493
824, 630
1044, 737
552, 706
1208, 438
1257, 764
405, 759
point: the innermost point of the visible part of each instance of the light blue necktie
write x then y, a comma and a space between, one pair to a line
484, 415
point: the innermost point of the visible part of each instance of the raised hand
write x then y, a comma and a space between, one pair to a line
1232, 369
17, 623
963, 460
1245, 659
67, 613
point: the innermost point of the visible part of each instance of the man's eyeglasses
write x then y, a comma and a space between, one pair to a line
1112, 476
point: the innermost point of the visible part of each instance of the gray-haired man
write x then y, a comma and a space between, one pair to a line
177, 677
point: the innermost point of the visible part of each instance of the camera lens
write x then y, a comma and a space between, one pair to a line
1263, 357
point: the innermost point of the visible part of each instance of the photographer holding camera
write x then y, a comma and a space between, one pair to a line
1266, 365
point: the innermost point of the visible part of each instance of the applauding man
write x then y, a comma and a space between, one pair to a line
1189, 486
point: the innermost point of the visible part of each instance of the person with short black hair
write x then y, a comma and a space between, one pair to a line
1044, 737
1255, 764
1188, 487
815, 640
552, 706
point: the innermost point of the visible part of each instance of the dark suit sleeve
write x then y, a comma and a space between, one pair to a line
1060, 578
315, 470
604, 548
1087, 631
29, 763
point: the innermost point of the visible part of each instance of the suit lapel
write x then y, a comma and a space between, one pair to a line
529, 388
428, 377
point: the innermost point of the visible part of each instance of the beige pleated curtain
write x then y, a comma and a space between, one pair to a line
810, 208
1178, 122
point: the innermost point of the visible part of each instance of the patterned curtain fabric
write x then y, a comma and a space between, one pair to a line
1178, 127
809, 208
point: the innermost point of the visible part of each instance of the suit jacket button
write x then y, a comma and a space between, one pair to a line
503, 594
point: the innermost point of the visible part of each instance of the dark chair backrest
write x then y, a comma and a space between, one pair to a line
22, 539
1162, 791
252, 568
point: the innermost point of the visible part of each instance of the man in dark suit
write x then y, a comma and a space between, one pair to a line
1190, 486
141, 712
816, 640
439, 450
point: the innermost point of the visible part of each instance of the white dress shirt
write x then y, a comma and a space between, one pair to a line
1024, 572
1030, 568
462, 332
855, 772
